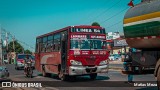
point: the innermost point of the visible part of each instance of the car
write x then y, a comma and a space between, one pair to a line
115, 57
111, 57
4, 73
20, 61
5, 61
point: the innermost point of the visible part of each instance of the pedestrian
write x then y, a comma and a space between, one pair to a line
126, 64
130, 78
130, 75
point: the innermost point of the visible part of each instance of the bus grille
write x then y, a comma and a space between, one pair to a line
91, 61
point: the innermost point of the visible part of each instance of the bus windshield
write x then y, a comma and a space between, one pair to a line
88, 44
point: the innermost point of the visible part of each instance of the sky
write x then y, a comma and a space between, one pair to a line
27, 19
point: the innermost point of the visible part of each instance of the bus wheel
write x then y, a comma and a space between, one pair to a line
62, 76
93, 76
158, 79
43, 71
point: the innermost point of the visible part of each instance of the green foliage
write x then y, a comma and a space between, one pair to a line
18, 47
95, 24
27, 52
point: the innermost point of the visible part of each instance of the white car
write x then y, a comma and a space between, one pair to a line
5, 61
111, 57
20, 61
115, 57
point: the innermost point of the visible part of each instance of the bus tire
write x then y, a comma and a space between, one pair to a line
43, 71
93, 76
158, 78
62, 76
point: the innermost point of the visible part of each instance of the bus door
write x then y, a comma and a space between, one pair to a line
37, 55
64, 40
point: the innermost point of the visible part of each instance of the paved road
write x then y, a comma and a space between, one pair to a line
113, 78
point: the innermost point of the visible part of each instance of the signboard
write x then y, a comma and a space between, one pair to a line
88, 30
120, 42
78, 36
88, 37
98, 37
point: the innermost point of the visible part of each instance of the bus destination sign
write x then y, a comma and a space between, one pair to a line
87, 30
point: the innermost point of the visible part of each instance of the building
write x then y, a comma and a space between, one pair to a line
116, 43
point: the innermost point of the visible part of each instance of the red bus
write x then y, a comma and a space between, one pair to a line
72, 51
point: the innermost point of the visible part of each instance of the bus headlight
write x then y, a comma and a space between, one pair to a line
105, 62
74, 62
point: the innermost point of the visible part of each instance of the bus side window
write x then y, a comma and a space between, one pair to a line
49, 43
57, 42
44, 44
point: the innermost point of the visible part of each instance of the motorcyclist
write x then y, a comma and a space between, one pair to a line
26, 60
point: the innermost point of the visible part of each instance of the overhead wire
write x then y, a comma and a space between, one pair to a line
12, 37
116, 15
89, 16
102, 13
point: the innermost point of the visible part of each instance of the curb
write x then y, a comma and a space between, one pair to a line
116, 68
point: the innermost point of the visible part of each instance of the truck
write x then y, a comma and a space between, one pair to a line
142, 32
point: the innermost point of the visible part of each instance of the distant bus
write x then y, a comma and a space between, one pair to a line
72, 51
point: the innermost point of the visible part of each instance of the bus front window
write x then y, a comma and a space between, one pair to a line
80, 44
88, 44
98, 44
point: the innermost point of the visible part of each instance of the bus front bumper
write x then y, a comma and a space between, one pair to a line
82, 70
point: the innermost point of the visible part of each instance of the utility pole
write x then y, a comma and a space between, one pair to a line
13, 38
7, 50
13, 58
1, 61
6, 41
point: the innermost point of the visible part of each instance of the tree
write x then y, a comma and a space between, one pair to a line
18, 47
27, 52
95, 24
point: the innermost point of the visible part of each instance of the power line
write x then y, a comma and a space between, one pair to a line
93, 12
106, 10
114, 24
114, 15
117, 14
15, 39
